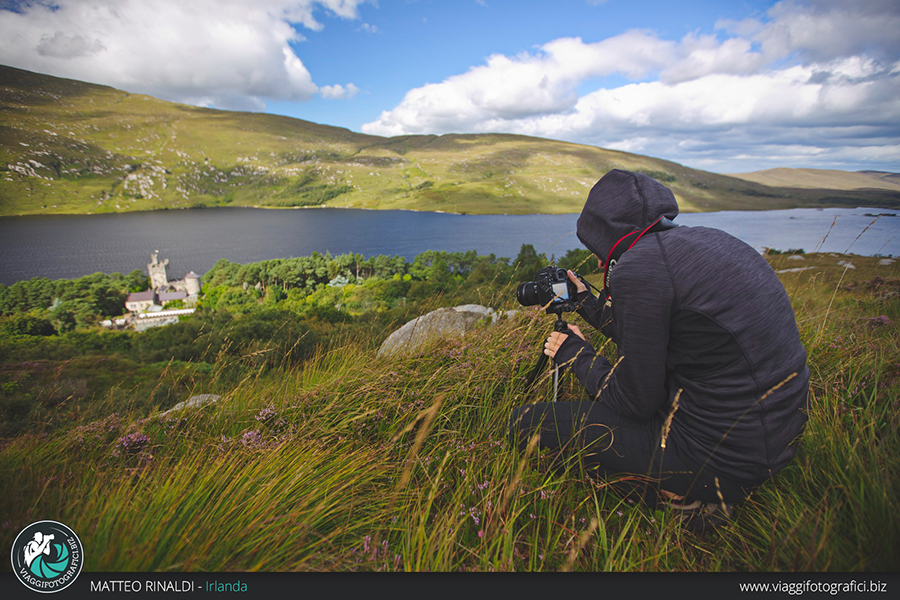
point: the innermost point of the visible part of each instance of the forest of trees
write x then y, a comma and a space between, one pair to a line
325, 286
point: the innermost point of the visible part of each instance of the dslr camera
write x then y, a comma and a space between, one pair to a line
552, 289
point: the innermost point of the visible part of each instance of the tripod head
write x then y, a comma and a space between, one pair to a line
560, 325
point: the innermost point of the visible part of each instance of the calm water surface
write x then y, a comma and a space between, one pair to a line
69, 246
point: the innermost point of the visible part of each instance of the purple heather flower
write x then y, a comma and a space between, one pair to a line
133, 443
266, 414
251, 438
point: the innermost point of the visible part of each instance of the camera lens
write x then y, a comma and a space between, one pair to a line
527, 294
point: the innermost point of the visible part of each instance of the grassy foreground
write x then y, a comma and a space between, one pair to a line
354, 462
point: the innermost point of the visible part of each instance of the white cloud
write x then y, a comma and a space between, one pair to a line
522, 87
60, 45
822, 76
224, 53
823, 30
705, 55
339, 92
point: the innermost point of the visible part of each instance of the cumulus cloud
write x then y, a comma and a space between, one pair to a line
224, 53
813, 84
339, 92
823, 30
512, 89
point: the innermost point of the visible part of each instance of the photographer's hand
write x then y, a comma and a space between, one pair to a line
579, 285
556, 339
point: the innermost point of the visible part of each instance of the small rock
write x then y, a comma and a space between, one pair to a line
193, 402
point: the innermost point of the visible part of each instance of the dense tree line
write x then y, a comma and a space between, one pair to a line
271, 336
321, 287
441, 269
40, 306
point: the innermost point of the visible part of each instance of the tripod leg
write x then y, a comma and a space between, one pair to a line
555, 381
536, 371
560, 326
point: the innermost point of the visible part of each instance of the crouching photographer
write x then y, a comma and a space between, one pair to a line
708, 392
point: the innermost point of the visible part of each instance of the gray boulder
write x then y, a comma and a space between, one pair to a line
438, 323
193, 402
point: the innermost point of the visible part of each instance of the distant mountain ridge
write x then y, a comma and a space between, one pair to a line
70, 147
824, 178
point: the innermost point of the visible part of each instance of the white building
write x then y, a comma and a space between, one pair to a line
140, 301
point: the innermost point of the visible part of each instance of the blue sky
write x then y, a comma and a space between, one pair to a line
726, 86
426, 41
396, 46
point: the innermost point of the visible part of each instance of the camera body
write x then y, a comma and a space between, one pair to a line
551, 288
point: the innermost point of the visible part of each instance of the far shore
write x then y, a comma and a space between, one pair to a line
413, 210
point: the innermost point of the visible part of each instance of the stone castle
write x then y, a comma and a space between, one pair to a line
162, 290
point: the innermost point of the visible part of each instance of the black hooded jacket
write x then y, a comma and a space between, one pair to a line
698, 314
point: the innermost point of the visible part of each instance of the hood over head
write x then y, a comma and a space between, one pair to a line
620, 203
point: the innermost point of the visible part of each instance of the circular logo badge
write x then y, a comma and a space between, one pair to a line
47, 556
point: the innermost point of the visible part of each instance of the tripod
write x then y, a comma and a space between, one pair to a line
560, 326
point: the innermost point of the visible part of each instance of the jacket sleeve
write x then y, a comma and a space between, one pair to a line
596, 313
641, 307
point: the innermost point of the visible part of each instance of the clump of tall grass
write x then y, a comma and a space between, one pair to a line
359, 462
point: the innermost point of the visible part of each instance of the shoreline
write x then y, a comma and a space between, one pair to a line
877, 212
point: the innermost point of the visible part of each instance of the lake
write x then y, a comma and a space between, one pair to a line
69, 246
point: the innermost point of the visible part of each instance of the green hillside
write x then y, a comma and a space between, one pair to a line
73, 147
820, 178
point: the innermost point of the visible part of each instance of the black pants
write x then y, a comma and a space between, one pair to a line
610, 446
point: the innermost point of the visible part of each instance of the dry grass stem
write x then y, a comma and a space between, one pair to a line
667, 426
580, 544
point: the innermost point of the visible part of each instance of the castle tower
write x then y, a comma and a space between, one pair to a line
157, 271
192, 284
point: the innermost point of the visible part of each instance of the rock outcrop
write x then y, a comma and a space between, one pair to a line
442, 322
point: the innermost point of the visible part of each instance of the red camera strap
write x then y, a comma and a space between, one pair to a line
614, 256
